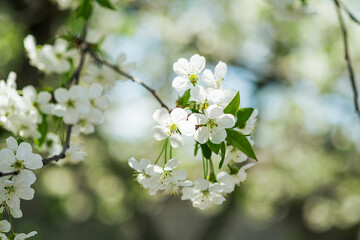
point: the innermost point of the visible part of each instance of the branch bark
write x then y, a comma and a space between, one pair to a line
132, 78
347, 55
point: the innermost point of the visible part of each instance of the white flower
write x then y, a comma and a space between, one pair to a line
20, 159
99, 74
41, 100
229, 181
167, 178
140, 167
188, 72
211, 126
49, 58
23, 236
52, 144
74, 155
250, 124
4, 226
215, 81
71, 103
11, 191
204, 194
234, 155
172, 125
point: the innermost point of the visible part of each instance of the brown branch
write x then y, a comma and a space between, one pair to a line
347, 55
132, 78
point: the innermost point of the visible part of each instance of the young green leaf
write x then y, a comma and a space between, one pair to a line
196, 148
234, 105
206, 151
222, 154
106, 4
214, 147
243, 115
84, 10
182, 101
240, 141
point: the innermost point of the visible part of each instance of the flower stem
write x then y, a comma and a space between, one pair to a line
171, 152
162, 150
211, 177
203, 160
166, 143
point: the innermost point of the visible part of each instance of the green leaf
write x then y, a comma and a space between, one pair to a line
234, 105
222, 154
206, 151
182, 101
243, 115
84, 10
43, 129
196, 149
214, 147
240, 141
106, 4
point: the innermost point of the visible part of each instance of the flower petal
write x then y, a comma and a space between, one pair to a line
160, 133
176, 140
198, 94
162, 116
178, 114
181, 67
180, 84
226, 121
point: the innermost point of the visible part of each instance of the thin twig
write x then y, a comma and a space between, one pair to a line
127, 75
347, 55
351, 15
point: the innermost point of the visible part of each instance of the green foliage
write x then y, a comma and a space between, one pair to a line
43, 129
240, 141
105, 4
214, 147
242, 116
184, 99
222, 154
206, 151
234, 105
84, 10
196, 148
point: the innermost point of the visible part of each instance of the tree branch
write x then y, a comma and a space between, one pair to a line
132, 78
351, 15
347, 55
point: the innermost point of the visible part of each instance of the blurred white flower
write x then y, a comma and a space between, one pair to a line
215, 80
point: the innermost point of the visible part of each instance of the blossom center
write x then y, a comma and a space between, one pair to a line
18, 165
70, 103
173, 128
193, 79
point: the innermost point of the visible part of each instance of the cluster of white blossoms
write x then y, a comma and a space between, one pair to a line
19, 160
210, 115
21, 113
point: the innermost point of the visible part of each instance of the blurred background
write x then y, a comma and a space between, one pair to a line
289, 65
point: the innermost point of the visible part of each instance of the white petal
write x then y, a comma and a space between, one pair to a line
187, 128
95, 90
71, 116
23, 151
213, 112
197, 63
220, 70
34, 161
44, 97
202, 135
160, 133
171, 164
7, 159
144, 163
4, 226
198, 119
12, 144
198, 94
179, 175
102, 102
178, 114
61, 95
176, 140
217, 135
226, 121
181, 67
201, 184
82, 106
134, 164
180, 84
27, 176
162, 116
29, 92
153, 170
208, 78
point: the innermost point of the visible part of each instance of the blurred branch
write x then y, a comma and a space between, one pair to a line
347, 55
132, 78
351, 15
